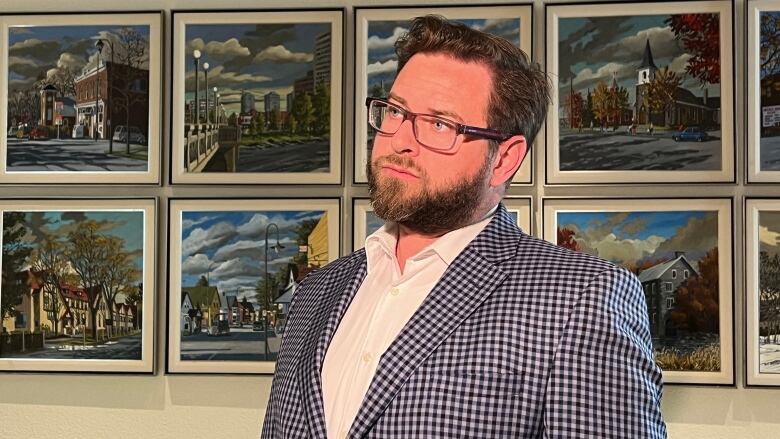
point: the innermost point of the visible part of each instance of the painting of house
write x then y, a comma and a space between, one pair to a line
660, 283
77, 85
676, 250
206, 299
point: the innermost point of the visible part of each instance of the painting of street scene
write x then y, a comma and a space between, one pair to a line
259, 97
675, 256
239, 270
78, 98
769, 291
378, 63
72, 285
641, 92
769, 71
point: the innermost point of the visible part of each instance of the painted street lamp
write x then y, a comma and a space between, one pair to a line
206, 89
110, 78
266, 302
196, 59
97, 89
216, 119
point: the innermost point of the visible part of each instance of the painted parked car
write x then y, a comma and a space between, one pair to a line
39, 133
221, 328
691, 133
136, 136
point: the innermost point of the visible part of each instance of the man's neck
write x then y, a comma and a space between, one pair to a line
411, 242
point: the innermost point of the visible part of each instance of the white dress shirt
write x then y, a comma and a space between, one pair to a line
386, 300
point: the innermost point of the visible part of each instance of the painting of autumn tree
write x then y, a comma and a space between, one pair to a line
647, 78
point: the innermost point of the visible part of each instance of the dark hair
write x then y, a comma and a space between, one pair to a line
521, 91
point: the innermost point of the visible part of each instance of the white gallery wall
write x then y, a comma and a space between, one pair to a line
233, 406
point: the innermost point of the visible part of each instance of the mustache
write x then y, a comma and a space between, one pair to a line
404, 162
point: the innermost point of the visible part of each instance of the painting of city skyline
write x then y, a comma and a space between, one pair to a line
376, 62
79, 98
641, 92
73, 286
366, 222
677, 256
268, 88
236, 272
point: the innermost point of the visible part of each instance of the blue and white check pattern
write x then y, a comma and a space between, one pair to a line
519, 339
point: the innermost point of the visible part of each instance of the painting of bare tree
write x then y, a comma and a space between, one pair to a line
81, 98
762, 226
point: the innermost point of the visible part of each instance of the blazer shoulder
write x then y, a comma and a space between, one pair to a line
539, 254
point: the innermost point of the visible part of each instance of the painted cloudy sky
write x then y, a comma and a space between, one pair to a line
595, 48
769, 231
37, 49
382, 35
629, 237
257, 58
233, 244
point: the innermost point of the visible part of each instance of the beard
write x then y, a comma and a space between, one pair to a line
427, 211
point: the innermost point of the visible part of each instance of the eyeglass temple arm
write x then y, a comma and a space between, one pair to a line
482, 132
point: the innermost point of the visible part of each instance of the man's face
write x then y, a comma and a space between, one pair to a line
429, 191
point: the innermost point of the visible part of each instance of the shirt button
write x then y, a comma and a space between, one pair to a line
367, 357
394, 292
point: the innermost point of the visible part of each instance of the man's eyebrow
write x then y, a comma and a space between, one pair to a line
431, 111
395, 97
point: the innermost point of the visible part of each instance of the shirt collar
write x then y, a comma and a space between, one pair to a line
447, 247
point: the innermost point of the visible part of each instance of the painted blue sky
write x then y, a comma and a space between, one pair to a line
257, 58
382, 62
40, 49
229, 247
627, 237
593, 49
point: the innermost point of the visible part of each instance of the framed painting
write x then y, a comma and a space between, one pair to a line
681, 252
762, 291
80, 96
377, 29
234, 265
365, 222
642, 93
77, 292
257, 97
763, 102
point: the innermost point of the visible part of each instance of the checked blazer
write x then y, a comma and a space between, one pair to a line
518, 339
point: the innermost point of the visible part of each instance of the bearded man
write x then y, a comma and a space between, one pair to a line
451, 322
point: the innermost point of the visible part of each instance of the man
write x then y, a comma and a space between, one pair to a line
452, 323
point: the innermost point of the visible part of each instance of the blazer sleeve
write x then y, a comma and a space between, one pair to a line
604, 381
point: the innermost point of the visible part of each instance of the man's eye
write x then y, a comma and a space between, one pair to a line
440, 125
394, 112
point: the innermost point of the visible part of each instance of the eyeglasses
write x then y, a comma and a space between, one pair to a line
433, 132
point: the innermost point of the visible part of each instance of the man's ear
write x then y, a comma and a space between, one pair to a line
509, 157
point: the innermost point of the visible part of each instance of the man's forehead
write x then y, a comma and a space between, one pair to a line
436, 82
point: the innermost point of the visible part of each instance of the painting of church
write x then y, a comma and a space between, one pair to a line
688, 109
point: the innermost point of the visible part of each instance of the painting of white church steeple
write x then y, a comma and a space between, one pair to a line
641, 97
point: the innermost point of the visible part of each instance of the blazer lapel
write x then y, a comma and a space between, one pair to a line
471, 278
336, 294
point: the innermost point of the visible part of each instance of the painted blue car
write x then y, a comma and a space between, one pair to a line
691, 133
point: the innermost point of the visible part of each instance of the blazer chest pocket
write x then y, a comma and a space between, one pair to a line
454, 404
